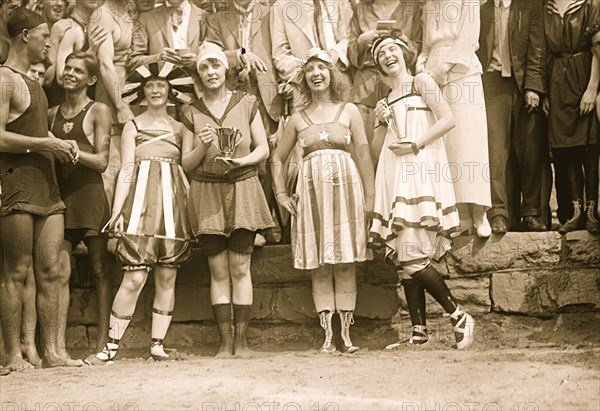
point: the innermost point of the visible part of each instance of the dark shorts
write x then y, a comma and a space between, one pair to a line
240, 241
76, 235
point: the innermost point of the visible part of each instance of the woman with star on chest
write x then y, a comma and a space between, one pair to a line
334, 193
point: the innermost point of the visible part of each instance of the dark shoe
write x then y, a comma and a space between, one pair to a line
499, 225
532, 223
592, 223
576, 222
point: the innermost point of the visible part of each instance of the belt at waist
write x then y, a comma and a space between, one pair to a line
324, 145
233, 176
568, 54
155, 158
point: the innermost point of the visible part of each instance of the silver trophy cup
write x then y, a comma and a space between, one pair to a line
228, 138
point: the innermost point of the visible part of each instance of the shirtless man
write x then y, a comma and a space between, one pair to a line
31, 214
79, 118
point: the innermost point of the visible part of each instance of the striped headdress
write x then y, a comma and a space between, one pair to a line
182, 84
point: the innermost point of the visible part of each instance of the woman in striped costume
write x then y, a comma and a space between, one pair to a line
150, 207
329, 208
415, 208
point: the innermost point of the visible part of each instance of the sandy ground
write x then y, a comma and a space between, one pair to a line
523, 365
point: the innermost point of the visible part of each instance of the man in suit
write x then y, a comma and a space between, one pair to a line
243, 31
171, 32
512, 53
298, 26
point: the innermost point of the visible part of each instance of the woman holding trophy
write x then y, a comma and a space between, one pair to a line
227, 205
149, 215
415, 207
334, 193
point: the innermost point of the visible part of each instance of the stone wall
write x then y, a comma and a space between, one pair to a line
531, 274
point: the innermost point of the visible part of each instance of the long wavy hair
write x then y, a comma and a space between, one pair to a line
338, 86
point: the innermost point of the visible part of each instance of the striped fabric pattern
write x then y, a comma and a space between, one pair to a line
414, 197
330, 227
572, 8
182, 84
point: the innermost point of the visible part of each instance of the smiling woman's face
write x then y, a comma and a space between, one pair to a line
391, 59
317, 75
156, 92
212, 73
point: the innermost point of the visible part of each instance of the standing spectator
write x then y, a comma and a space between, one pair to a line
115, 17
574, 132
149, 214
413, 210
367, 90
450, 39
88, 123
226, 202
298, 26
330, 209
6, 8
31, 211
245, 26
171, 32
512, 53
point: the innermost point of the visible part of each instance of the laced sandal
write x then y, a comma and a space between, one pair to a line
419, 338
105, 356
325, 319
347, 319
464, 328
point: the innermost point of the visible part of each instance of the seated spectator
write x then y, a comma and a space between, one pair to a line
171, 32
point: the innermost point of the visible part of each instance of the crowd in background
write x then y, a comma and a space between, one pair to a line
515, 86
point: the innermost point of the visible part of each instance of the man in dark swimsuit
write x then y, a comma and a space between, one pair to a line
88, 123
31, 213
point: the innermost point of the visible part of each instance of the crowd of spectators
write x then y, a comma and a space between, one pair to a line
520, 84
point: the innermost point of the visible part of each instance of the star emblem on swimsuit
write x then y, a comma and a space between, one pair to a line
67, 127
324, 135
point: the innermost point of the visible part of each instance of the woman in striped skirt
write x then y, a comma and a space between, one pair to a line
150, 207
329, 207
415, 208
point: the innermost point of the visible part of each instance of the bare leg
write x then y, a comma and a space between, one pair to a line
52, 290
29, 322
97, 253
16, 238
66, 253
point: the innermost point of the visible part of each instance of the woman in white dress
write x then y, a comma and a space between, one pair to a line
414, 203
450, 39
